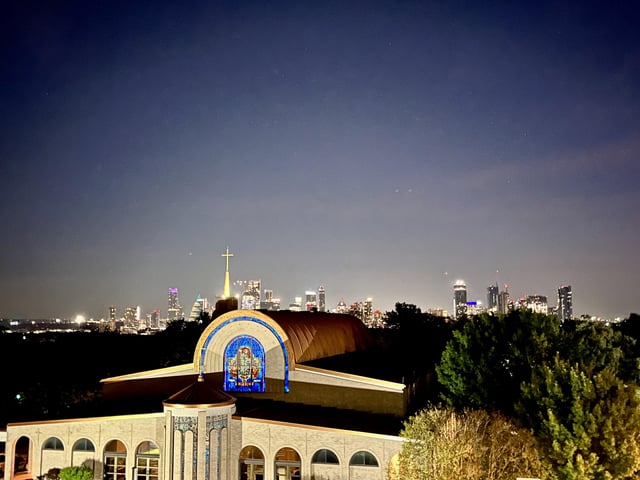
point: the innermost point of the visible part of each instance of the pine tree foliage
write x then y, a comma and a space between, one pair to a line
588, 421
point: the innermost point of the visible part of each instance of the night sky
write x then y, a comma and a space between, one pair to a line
381, 149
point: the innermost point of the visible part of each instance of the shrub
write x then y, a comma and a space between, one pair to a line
76, 473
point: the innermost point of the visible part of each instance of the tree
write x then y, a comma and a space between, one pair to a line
485, 362
442, 444
588, 421
76, 473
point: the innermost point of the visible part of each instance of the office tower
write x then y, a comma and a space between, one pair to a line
130, 316
267, 302
154, 320
368, 311
492, 297
321, 299
296, 305
342, 306
174, 311
227, 289
565, 303
112, 313
311, 301
459, 299
275, 304
535, 303
503, 301
197, 309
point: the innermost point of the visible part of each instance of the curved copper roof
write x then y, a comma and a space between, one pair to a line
199, 394
314, 335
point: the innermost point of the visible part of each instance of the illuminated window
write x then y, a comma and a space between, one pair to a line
244, 365
53, 443
115, 461
363, 458
147, 460
251, 463
287, 464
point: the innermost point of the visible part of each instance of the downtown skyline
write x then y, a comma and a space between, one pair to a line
382, 149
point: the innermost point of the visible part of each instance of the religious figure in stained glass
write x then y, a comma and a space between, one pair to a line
244, 365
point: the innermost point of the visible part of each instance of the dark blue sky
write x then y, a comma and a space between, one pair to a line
381, 149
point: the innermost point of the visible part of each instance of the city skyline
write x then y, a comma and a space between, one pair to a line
382, 149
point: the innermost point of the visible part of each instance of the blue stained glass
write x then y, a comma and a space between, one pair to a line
203, 351
244, 365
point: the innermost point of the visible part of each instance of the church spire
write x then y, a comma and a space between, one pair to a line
227, 290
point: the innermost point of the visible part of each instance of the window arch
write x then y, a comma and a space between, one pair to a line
147, 461
83, 445
251, 463
244, 365
325, 456
363, 458
287, 465
115, 460
53, 443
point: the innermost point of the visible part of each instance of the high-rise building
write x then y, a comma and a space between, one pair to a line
154, 320
321, 299
112, 313
503, 301
197, 309
565, 303
174, 310
130, 316
310, 300
535, 303
342, 306
459, 299
296, 305
367, 307
492, 297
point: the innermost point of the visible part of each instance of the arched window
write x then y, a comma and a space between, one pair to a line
84, 445
287, 464
115, 460
363, 458
244, 365
251, 463
147, 461
325, 456
53, 443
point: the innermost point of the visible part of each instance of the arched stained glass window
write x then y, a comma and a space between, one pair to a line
244, 365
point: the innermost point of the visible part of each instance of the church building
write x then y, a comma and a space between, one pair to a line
256, 403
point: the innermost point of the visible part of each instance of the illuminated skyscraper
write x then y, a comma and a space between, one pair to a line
565, 303
174, 310
459, 299
112, 313
342, 306
535, 303
492, 297
503, 301
130, 316
251, 296
311, 300
197, 309
321, 299
154, 319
